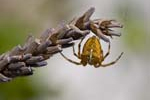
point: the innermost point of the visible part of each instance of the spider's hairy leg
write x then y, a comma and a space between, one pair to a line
74, 62
95, 29
113, 62
108, 52
101, 35
112, 33
74, 51
79, 47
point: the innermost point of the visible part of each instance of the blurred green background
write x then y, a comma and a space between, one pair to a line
129, 80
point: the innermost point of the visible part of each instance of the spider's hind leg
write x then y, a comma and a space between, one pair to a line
108, 52
113, 62
77, 63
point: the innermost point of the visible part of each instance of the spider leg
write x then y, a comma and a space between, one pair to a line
95, 29
75, 52
108, 52
79, 47
77, 63
113, 62
101, 35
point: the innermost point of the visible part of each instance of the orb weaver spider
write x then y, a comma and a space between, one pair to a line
92, 53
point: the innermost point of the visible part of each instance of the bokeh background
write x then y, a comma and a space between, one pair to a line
129, 79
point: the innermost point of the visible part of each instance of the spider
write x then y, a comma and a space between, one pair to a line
92, 53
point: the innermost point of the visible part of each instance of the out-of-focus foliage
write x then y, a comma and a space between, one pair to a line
56, 9
19, 89
135, 27
25, 89
13, 32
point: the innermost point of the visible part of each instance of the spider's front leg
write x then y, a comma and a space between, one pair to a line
106, 27
95, 29
103, 27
